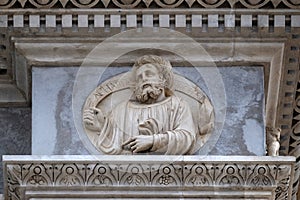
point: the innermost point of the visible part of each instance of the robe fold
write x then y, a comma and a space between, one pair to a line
175, 133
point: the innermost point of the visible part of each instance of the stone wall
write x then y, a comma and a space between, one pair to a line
53, 110
15, 134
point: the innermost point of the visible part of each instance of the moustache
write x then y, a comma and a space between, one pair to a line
148, 90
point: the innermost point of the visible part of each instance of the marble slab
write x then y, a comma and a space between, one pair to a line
15, 134
54, 130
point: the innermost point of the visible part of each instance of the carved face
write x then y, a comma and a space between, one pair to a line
148, 84
147, 73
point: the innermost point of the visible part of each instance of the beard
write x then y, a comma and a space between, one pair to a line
148, 91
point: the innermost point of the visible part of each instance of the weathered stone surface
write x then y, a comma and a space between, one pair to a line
53, 130
15, 133
242, 134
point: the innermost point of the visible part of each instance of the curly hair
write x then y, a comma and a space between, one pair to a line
163, 66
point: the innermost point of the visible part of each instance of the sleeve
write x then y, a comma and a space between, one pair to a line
180, 140
107, 139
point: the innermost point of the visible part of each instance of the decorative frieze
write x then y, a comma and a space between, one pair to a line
151, 18
149, 3
183, 176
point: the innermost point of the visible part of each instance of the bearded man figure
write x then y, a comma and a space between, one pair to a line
153, 121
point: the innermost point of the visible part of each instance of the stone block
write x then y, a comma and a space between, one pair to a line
180, 21
279, 21
34, 21
18, 21
66, 21
131, 21
99, 21
164, 21
50, 21
115, 21
147, 20
295, 20
246, 20
83, 21
213, 21
3, 20
196, 20
229, 21
263, 20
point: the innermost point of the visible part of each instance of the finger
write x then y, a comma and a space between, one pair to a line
96, 110
88, 121
88, 115
134, 147
88, 118
133, 143
128, 141
89, 111
137, 149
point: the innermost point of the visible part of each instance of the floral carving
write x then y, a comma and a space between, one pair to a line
167, 176
199, 176
229, 175
13, 182
70, 176
101, 175
193, 175
261, 179
36, 174
134, 175
261, 176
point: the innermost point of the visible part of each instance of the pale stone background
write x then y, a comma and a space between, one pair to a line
54, 131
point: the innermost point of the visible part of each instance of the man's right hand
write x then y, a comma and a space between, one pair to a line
93, 119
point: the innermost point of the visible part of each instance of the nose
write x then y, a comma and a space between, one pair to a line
144, 75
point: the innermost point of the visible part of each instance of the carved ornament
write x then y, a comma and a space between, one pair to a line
148, 3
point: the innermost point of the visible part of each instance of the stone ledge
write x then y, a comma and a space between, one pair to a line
102, 177
11, 95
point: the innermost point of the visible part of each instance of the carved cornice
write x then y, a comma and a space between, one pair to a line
150, 3
28, 177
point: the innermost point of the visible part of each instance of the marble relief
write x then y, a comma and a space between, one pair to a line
152, 119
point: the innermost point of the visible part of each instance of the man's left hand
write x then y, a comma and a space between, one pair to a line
139, 143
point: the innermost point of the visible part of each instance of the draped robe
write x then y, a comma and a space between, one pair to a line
175, 134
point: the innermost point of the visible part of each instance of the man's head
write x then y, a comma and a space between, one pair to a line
154, 78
